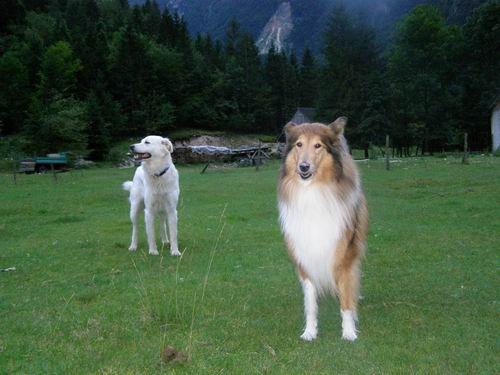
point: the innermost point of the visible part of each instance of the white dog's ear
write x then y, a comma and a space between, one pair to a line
168, 144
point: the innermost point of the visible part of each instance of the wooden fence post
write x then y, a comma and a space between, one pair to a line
14, 170
387, 153
258, 159
465, 157
53, 172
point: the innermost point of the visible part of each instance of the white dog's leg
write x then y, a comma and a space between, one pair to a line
163, 230
134, 217
310, 309
150, 231
172, 227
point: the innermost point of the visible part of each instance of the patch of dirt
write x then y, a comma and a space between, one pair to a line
173, 356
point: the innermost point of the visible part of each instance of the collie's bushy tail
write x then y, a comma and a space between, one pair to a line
127, 185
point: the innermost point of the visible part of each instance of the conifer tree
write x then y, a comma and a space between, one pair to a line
307, 80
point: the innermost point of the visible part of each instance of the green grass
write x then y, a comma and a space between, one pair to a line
79, 302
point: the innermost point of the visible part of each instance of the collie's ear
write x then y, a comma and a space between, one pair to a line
338, 125
168, 144
288, 127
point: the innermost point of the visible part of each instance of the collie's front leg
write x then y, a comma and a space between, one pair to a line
348, 286
349, 331
310, 310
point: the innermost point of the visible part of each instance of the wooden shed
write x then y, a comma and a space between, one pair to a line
303, 115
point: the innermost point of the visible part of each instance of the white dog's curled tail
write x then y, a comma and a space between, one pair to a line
127, 185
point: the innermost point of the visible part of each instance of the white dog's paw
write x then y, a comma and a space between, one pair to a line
309, 335
348, 334
132, 248
165, 242
175, 253
153, 252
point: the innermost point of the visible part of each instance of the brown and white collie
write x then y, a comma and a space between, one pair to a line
324, 218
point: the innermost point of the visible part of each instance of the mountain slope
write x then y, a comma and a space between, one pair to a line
300, 23
277, 30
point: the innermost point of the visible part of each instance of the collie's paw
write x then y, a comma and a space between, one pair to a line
132, 248
348, 324
175, 253
309, 335
153, 252
349, 335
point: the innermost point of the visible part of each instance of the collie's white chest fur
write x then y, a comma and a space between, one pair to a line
313, 221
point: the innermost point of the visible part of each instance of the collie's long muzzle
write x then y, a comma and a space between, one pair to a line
305, 171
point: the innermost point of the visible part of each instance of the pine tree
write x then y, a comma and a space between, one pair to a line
232, 37
350, 64
58, 72
58, 125
275, 78
12, 13
152, 18
292, 84
14, 78
98, 130
166, 32
479, 73
137, 19
418, 70
182, 40
129, 63
94, 53
307, 80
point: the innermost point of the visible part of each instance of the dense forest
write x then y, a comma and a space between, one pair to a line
75, 74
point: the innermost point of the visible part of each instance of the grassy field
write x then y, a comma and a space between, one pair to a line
79, 302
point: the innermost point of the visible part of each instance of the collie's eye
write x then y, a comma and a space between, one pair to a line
317, 145
299, 144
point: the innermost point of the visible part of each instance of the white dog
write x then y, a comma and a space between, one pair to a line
155, 189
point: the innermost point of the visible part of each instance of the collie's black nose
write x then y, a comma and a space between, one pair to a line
132, 148
304, 167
